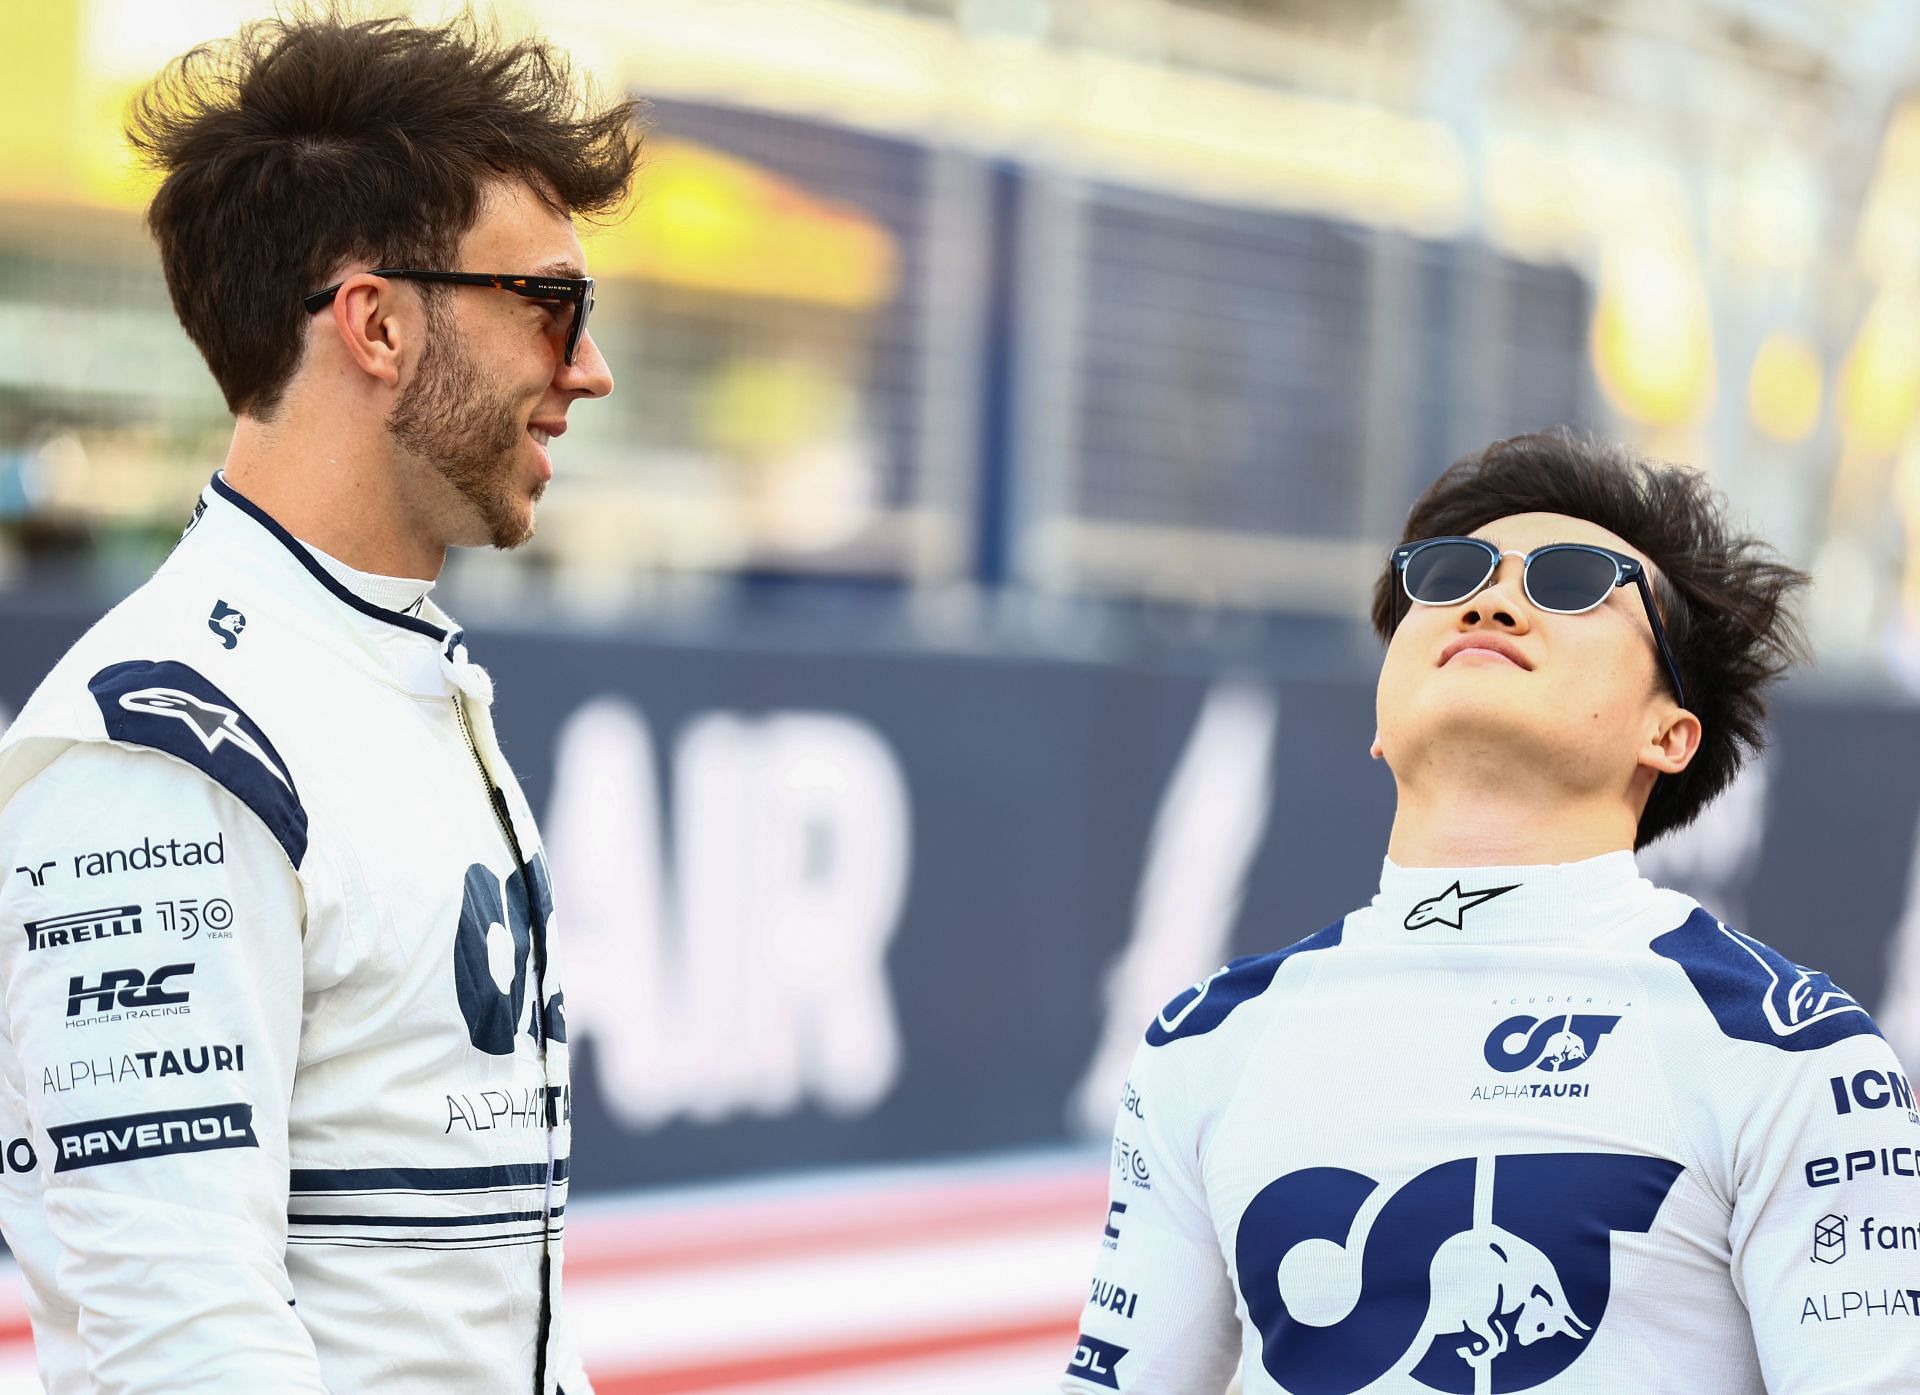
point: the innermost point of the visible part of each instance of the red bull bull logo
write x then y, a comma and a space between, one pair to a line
1492, 1289
1460, 1274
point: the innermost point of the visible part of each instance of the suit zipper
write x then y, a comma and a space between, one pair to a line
538, 929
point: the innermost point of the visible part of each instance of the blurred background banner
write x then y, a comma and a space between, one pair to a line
826, 907
949, 642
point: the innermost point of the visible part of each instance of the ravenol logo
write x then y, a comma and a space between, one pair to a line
1548, 1043
1493, 1284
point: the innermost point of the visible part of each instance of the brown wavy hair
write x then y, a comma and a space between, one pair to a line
1727, 598
301, 145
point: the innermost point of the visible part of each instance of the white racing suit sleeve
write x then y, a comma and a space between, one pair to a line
1826, 1221
1160, 1319
151, 976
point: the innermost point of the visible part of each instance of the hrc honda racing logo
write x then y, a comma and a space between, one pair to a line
135, 993
1463, 1280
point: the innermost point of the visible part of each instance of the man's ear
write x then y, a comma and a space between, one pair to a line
367, 317
1672, 747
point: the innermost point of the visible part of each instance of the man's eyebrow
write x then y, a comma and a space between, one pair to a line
568, 269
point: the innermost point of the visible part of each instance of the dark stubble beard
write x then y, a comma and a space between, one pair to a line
459, 420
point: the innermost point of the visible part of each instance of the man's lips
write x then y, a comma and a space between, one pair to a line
1486, 644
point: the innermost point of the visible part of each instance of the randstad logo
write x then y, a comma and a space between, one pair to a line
1463, 1283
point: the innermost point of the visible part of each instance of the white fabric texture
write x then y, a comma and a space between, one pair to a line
283, 1075
1522, 1128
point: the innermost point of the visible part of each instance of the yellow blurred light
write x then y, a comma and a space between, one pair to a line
1652, 335
1880, 380
1784, 387
710, 221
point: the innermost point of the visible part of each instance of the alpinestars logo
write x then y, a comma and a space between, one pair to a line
1451, 906
209, 721
1463, 1280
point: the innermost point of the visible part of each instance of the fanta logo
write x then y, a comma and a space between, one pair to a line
1464, 1283
1547, 1043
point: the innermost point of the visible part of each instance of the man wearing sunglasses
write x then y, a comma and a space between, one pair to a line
284, 1041
1525, 1121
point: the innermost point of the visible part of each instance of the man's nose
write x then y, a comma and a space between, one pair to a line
1502, 600
588, 374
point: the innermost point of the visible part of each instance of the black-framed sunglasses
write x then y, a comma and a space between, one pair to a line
576, 291
1564, 578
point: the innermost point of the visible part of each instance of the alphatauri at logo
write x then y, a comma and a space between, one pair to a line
1547, 1043
1480, 1282
1450, 907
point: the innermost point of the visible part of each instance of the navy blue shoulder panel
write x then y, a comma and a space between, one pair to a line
170, 707
1205, 1006
1758, 994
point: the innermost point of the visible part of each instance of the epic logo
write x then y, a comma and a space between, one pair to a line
130, 988
490, 953
1548, 1043
1512, 1276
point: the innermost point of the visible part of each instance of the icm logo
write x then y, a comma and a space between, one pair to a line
1548, 1043
1829, 1239
1096, 1361
135, 992
1873, 1089
1480, 1282
103, 924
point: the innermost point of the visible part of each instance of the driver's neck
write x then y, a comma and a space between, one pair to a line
332, 492
1505, 813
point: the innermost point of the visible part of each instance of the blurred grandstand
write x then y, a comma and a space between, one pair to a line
955, 615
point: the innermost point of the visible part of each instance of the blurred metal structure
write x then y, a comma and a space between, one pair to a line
1099, 301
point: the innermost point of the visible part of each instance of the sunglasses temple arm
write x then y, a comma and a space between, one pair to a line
1660, 637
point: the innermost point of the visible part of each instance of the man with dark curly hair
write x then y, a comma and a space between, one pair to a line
1526, 1121
284, 1046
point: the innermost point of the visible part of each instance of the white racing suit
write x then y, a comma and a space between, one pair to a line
1512, 1129
283, 1065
